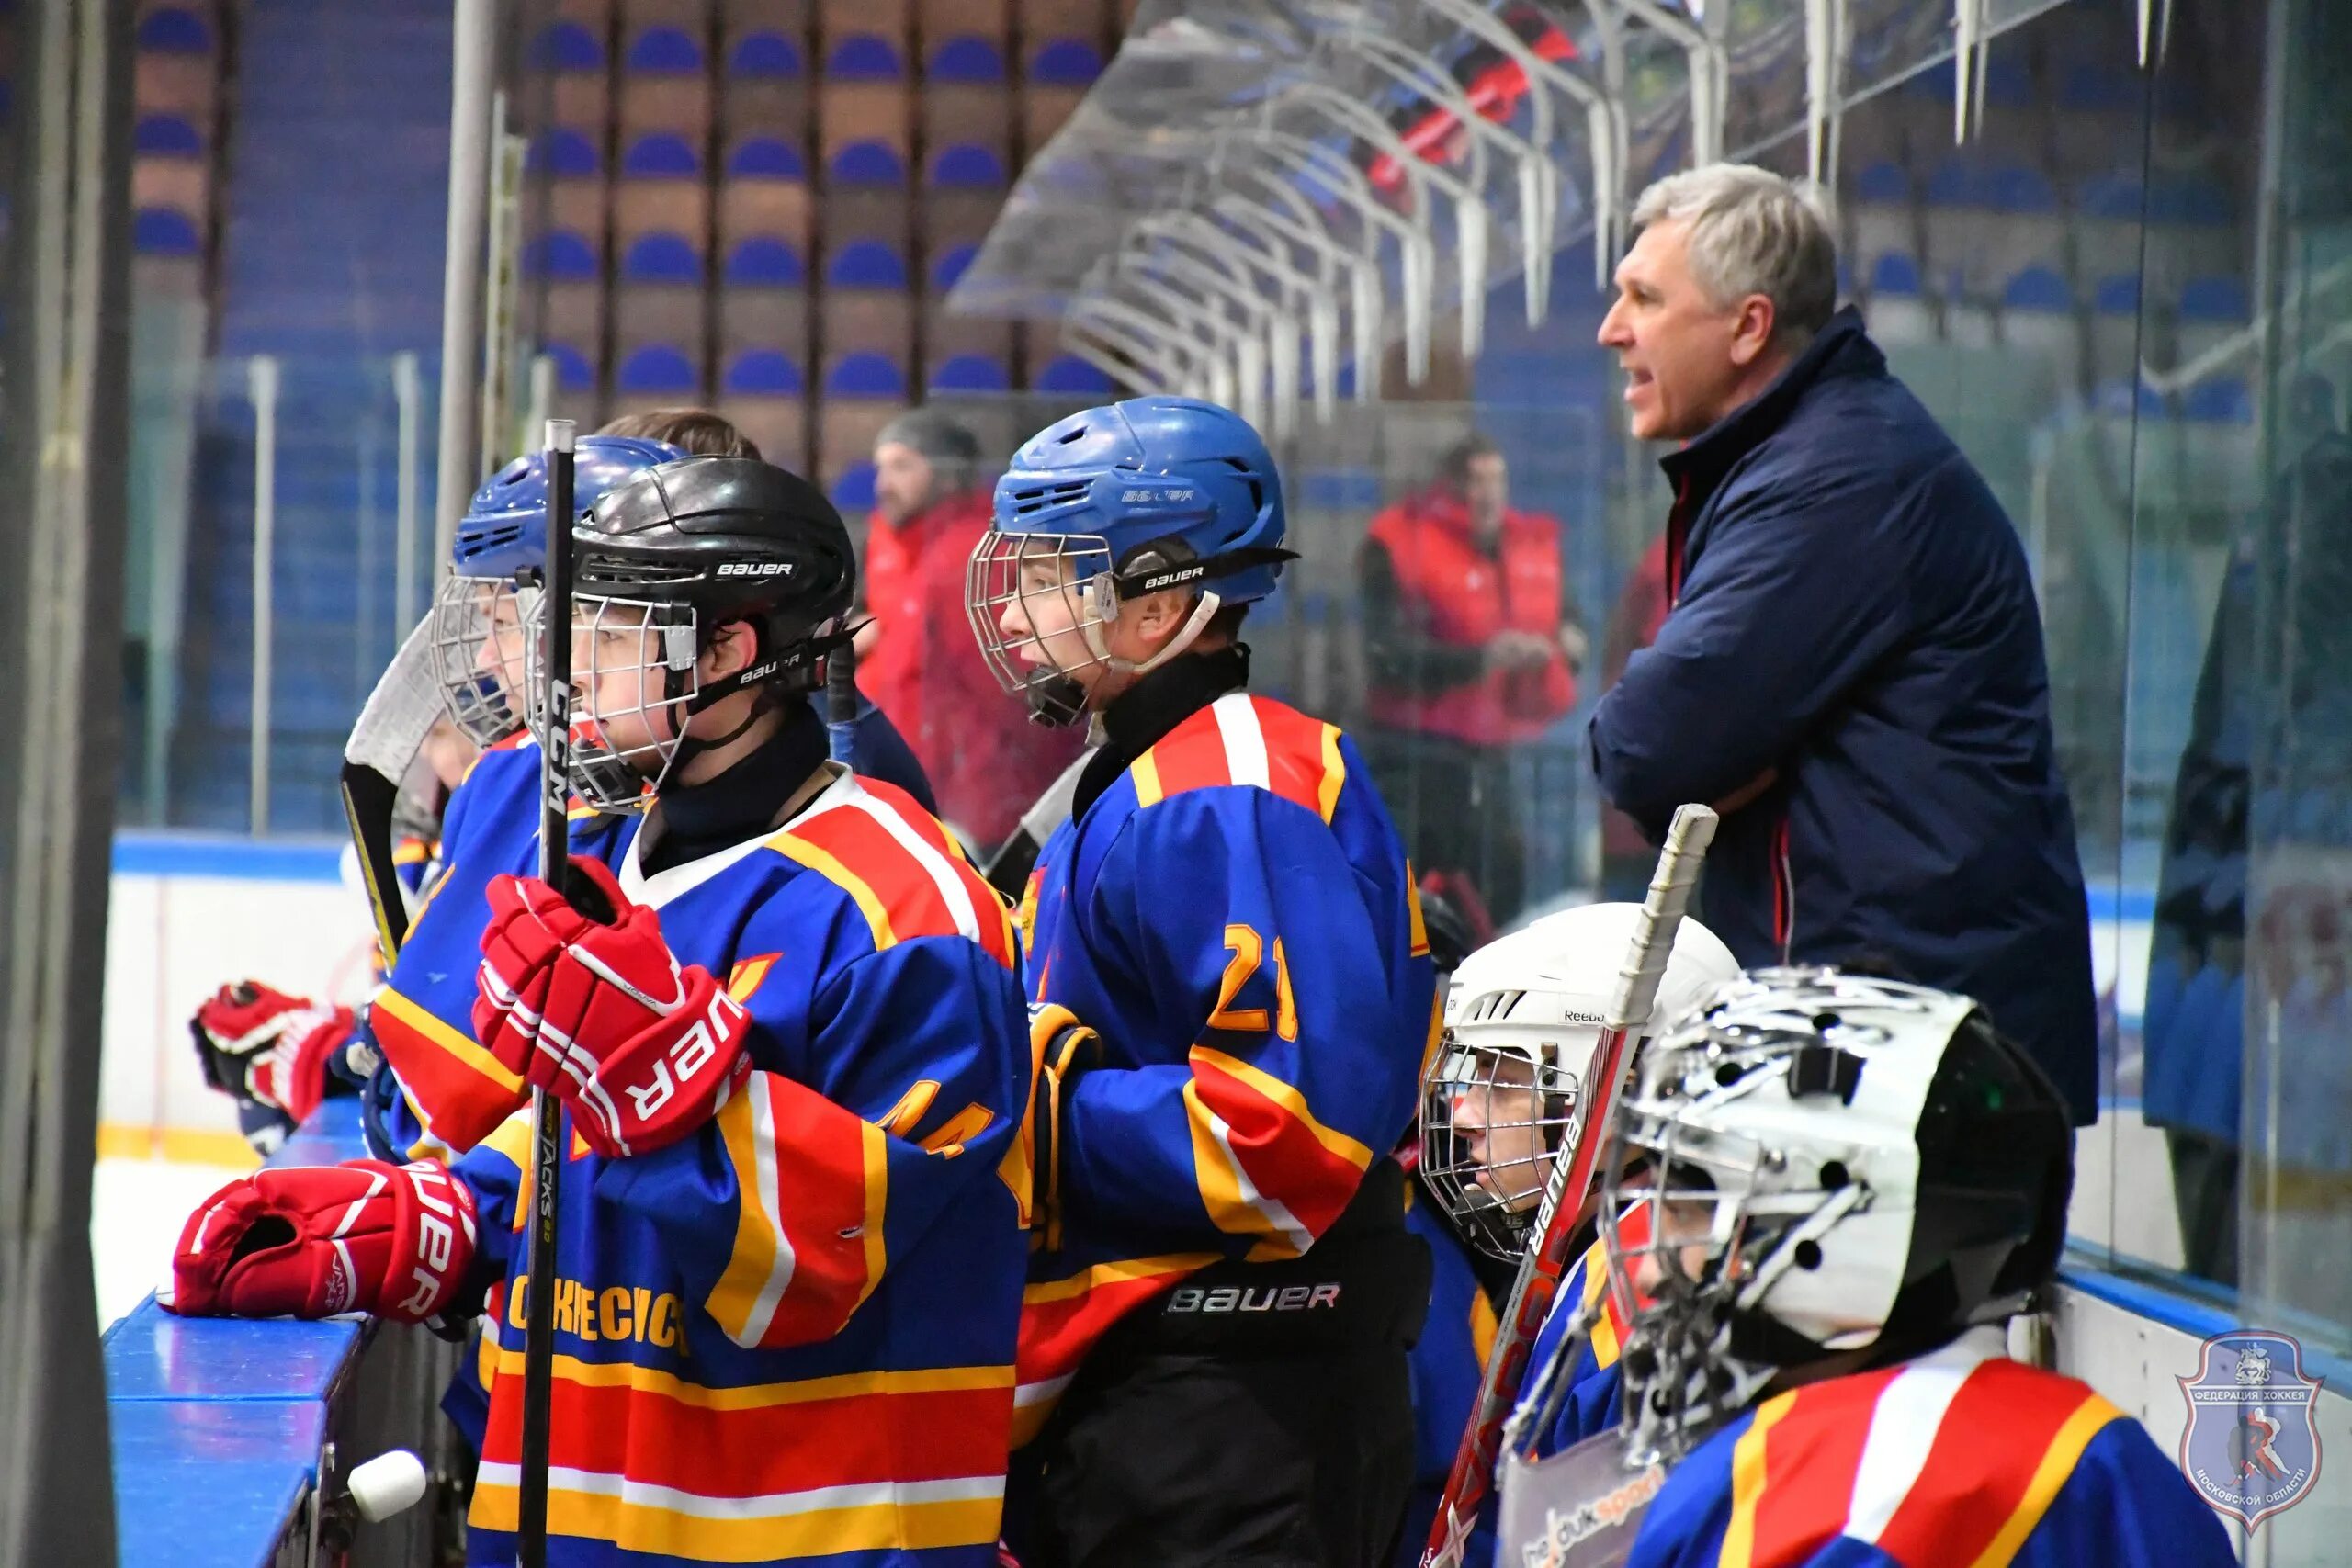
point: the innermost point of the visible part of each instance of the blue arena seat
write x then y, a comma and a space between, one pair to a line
2037, 288
159, 231
764, 373
766, 54
866, 164
2217, 297
971, 373
1954, 182
854, 491
866, 264
661, 257
659, 155
572, 372
1069, 375
2128, 397
2095, 86
764, 263
2017, 188
963, 165
166, 135
2117, 295
173, 30
656, 367
1886, 182
765, 158
566, 46
865, 376
949, 264
1895, 274
966, 62
2189, 199
564, 154
662, 52
862, 57
2117, 197
2222, 401
559, 254
1065, 62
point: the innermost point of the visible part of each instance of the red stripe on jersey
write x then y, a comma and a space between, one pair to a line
828, 1196
995, 916
1061, 1319
1986, 1454
1192, 756
1810, 1460
1295, 753
459, 1088
1281, 1153
866, 851
756, 1441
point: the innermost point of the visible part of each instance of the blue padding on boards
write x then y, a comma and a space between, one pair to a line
207, 1485
152, 1355
240, 860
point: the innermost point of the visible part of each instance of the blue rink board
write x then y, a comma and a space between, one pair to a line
216, 1423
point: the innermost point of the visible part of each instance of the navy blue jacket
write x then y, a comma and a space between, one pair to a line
1851, 607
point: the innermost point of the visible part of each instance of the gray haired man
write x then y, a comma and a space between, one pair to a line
1850, 667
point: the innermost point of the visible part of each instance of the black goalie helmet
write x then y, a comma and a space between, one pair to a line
663, 564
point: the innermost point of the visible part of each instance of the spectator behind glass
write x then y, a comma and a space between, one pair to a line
1474, 643
1850, 668
986, 761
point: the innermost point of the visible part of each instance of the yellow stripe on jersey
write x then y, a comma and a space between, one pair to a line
1334, 772
1748, 1482
595, 1508
877, 918
2058, 1462
760, 1396
757, 1233
461, 1047
1289, 1100
875, 1147
1146, 772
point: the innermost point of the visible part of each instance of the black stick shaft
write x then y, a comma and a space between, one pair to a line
546, 1115
840, 705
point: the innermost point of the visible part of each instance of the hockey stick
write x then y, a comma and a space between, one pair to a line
840, 705
391, 729
1008, 870
547, 1114
1572, 1176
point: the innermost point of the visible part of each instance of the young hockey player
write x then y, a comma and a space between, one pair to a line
1506, 1091
1231, 999
1852, 1183
791, 1059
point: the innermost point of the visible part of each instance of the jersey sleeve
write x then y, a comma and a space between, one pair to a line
786, 1211
2126, 1504
1248, 924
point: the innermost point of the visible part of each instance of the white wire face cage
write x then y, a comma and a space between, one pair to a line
1494, 1117
1059, 593
634, 680
483, 642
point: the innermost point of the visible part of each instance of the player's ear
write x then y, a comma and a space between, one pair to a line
1159, 615
731, 648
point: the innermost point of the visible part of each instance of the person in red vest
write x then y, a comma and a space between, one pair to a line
1474, 642
916, 660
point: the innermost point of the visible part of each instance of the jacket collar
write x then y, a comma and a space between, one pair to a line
1841, 348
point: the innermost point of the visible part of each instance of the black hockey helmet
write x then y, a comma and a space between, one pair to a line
681, 550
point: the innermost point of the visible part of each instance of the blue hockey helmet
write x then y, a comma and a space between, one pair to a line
477, 622
1119, 502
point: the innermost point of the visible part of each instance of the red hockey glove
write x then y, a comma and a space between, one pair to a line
315, 1240
603, 1016
259, 1044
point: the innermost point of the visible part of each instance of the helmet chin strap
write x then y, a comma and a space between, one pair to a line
1205, 610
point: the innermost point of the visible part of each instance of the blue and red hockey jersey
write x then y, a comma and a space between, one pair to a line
1590, 1404
791, 1336
1235, 917
1961, 1457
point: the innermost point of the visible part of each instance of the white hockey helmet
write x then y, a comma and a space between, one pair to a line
1506, 1090
1840, 1163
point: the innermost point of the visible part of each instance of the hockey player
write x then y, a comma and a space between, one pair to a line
791, 1059
1231, 997
1506, 1091
1854, 1182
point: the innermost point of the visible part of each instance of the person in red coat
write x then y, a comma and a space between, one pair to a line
1474, 641
916, 661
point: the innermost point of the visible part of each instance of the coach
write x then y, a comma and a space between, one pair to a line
1850, 668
